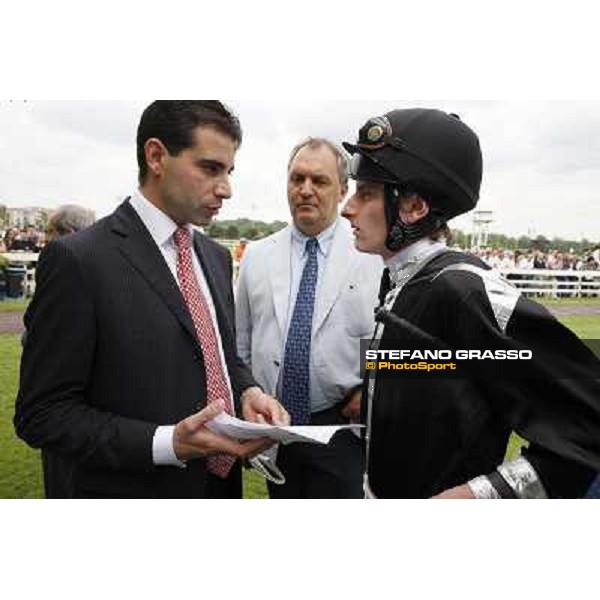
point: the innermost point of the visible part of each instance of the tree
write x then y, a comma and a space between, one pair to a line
460, 238
231, 231
251, 233
242, 228
215, 230
278, 226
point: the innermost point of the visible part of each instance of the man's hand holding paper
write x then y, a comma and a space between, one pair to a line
193, 438
227, 425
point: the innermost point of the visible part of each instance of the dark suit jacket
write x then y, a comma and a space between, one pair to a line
111, 354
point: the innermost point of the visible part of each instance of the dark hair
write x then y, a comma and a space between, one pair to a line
433, 196
173, 122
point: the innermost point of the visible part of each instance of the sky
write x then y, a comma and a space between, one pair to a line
541, 158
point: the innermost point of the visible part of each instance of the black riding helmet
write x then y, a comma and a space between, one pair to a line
422, 151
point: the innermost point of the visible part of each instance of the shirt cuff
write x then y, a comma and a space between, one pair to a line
163, 453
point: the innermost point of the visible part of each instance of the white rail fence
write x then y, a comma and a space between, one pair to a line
534, 282
29, 261
555, 284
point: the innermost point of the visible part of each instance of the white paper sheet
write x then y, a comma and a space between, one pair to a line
225, 424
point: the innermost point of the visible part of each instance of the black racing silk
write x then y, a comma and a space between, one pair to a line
430, 435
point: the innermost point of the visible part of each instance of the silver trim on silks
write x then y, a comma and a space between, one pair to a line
369, 495
522, 478
502, 295
400, 273
399, 277
483, 489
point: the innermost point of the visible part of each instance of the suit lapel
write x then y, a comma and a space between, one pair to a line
137, 246
278, 263
334, 276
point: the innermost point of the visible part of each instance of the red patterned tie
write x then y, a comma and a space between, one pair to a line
219, 464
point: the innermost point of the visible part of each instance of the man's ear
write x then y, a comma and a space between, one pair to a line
412, 209
155, 153
344, 194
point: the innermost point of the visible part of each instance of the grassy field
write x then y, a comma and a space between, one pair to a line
568, 301
587, 328
20, 472
14, 305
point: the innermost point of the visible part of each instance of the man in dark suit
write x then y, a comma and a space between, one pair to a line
131, 343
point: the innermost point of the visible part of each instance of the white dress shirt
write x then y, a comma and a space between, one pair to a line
161, 228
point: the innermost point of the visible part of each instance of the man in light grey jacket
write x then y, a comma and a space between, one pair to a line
305, 300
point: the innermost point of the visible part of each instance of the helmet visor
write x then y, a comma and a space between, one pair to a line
368, 168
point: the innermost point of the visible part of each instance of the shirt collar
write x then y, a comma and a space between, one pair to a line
325, 238
160, 226
415, 253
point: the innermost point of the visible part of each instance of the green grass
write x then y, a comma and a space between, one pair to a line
20, 470
587, 328
255, 486
568, 301
514, 447
14, 305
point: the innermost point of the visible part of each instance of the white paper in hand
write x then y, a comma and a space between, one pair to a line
225, 424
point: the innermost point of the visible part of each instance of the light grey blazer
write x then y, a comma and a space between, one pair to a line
346, 298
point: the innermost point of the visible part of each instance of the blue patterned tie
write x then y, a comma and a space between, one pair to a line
295, 386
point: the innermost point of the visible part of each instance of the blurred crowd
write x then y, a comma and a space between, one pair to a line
32, 239
552, 260
28, 239
66, 219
